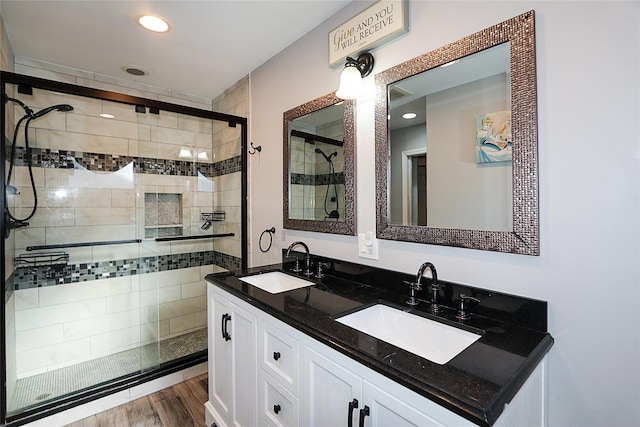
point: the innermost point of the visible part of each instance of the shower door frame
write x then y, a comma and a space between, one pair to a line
164, 369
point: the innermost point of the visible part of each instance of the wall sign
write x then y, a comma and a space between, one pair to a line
374, 26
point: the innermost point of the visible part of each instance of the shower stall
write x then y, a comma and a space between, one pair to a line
115, 208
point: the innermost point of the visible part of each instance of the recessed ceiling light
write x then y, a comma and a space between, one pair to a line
154, 23
135, 70
409, 116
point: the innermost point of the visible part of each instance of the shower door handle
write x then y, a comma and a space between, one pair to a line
225, 318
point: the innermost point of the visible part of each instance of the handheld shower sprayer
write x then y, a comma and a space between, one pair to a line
59, 107
331, 214
327, 158
10, 221
30, 114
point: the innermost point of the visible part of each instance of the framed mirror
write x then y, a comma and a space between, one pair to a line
319, 159
462, 169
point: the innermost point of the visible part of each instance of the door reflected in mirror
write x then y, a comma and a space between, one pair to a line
318, 166
450, 145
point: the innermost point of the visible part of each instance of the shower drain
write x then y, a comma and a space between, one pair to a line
43, 396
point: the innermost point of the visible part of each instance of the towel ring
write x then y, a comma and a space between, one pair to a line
271, 232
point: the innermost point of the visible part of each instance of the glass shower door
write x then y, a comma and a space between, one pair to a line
134, 206
71, 248
175, 211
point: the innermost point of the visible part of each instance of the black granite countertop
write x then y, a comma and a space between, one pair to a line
476, 384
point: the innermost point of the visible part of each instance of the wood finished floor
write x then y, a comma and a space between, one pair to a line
181, 405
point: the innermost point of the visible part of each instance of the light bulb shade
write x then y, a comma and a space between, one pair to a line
185, 153
350, 83
202, 155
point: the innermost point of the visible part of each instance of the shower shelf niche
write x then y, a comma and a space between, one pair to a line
163, 215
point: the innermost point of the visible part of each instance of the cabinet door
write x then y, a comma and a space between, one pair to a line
327, 392
220, 373
244, 334
381, 409
232, 362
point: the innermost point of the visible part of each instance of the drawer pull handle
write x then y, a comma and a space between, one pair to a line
363, 413
352, 405
276, 355
276, 409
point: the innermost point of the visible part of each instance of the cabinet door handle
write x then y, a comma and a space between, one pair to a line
276, 409
225, 319
363, 413
276, 355
352, 405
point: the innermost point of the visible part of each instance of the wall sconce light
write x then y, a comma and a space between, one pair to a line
190, 153
351, 77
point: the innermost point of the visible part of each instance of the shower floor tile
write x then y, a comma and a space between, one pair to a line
37, 389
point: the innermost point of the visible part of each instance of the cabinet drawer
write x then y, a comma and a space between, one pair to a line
280, 356
278, 407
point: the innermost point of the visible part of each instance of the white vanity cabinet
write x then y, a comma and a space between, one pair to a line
232, 362
269, 373
341, 392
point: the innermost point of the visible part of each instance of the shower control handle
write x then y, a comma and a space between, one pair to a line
226, 317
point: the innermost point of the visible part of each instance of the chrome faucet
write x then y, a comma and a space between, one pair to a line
417, 285
307, 265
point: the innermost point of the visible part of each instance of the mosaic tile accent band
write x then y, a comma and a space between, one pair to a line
60, 274
324, 179
65, 159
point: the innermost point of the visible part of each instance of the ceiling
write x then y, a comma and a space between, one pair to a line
212, 43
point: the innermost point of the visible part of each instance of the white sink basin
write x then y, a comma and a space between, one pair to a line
276, 281
427, 338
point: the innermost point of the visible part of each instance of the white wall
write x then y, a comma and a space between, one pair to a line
588, 270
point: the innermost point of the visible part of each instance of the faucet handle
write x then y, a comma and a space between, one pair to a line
414, 285
296, 268
462, 311
319, 272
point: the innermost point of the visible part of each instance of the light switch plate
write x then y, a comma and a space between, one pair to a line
367, 245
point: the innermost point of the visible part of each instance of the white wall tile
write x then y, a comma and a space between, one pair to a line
113, 341
123, 302
105, 216
55, 354
194, 289
26, 299
99, 325
188, 322
39, 337
60, 313
83, 291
